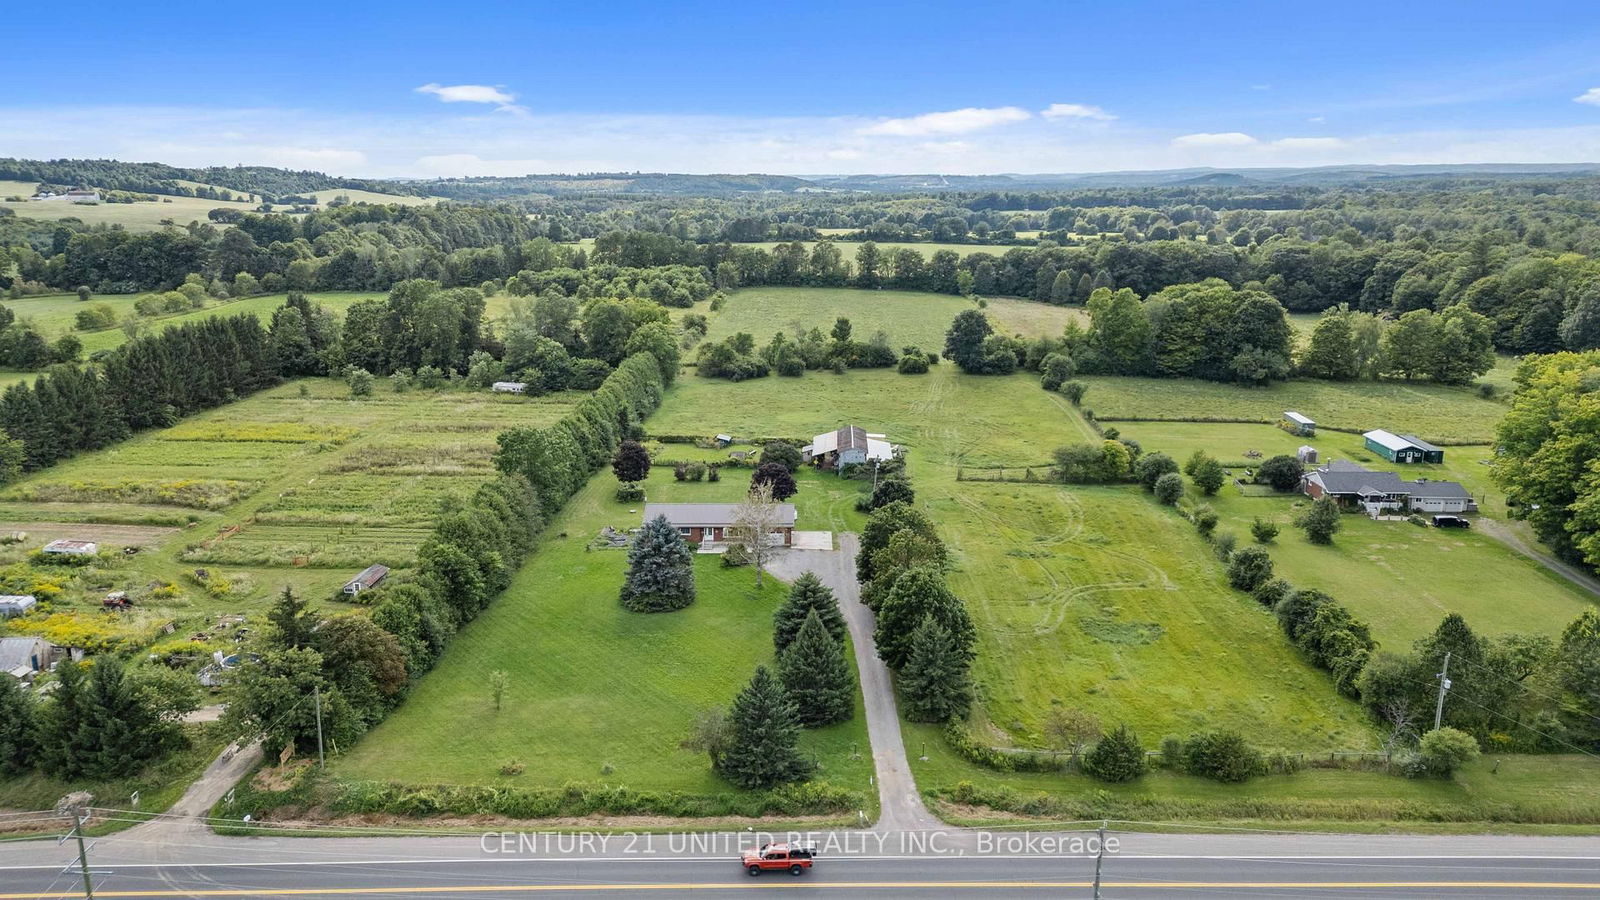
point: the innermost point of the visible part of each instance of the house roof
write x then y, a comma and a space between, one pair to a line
17, 602
1390, 441
1298, 419
707, 515
66, 546
1438, 490
18, 652
1358, 481
1419, 442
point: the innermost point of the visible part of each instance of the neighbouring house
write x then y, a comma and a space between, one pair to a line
83, 195
850, 445
16, 604
67, 547
1307, 454
509, 387
1402, 448
370, 577
709, 523
1354, 486
1299, 424
24, 657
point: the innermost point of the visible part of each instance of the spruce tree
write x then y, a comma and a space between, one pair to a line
17, 723
807, 595
292, 620
934, 683
61, 749
660, 570
119, 732
918, 592
1117, 757
817, 676
763, 750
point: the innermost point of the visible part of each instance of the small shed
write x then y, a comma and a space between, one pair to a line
23, 657
67, 547
1299, 424
724, 440
370, 577
1307, 454
509, 387
16, 604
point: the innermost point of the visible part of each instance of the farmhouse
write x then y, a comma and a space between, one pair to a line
1356, 487
370, 577
1402, 448
509, 387
24, 657
703, 523
83, 195
16, 604
1298, 424
849, 445
66, 547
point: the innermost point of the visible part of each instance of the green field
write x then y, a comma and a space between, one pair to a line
597, 693
142, 216
282, 488
1431, 411
908, 317
358, 196
54, 314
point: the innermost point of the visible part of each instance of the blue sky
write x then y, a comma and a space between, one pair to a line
408, 88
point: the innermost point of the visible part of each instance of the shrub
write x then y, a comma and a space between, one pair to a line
1074, 391
1443, 750
1054, 370
1172, 752
1221, 756
1263, 530
1151, 467
782, 453
1118, 757
913, 364
1209, 476
735, 556
1249, 569
1223, 545
1283, 473
360, 382
96, 317
1272, 592
1169, 488
1205, 519
630, 492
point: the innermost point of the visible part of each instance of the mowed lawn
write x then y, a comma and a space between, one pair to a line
908, 317
1432, 412
597, 693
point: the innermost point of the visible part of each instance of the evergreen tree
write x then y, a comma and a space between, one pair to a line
18, 719
934, 683
806, 596
62, 751
1118, 757
660, 570
763, 749
292, 620
917, 593
817, 676
119, 732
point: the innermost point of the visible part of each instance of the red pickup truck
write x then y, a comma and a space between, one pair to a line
777, 857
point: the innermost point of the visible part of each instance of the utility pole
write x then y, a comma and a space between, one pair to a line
1099, 859
316, 699
83, 854
1444, 688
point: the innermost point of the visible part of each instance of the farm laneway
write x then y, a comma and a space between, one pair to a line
901, 805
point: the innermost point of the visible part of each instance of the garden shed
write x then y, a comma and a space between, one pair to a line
370, 577
1299, 424
1402, 448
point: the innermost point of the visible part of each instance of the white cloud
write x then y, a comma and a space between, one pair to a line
1310, 143
1075, 111
503, 101
955, 121
1591, 97
448, 165
1219, 139
1317, 120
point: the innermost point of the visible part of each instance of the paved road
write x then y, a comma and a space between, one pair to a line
901, 807
1155, 866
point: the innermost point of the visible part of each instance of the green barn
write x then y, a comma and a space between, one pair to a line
1402, 448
